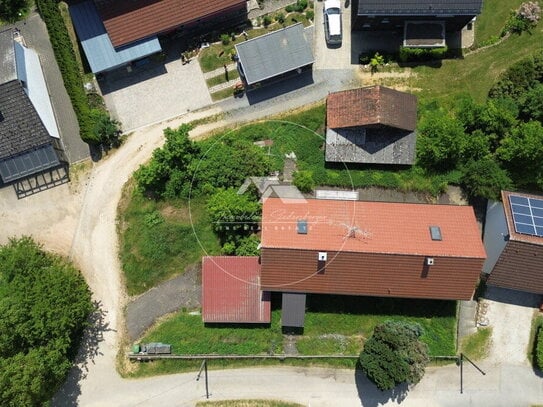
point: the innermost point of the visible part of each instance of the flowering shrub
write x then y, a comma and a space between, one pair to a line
524, 19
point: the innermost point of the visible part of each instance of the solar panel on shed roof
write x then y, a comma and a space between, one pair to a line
527, 215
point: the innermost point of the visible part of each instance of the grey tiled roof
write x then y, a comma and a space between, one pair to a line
8, 70
274, 53
419, 7
21, 128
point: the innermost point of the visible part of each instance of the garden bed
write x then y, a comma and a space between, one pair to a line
220, 53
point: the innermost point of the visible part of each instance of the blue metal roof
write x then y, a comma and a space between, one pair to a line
97, 45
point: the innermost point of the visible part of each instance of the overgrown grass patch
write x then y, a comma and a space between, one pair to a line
303, 133
158, 239
476, 345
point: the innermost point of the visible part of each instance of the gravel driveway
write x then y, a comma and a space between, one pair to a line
510, 315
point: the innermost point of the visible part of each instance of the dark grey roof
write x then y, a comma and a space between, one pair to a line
275, 53
373, 145
8, 68
21, 129
419, 7
28, 163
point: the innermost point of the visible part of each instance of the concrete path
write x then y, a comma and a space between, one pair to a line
36, 37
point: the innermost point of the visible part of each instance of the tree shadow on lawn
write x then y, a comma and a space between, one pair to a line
371, 396
380, 306
88, 350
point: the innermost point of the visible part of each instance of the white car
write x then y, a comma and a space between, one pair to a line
332, 22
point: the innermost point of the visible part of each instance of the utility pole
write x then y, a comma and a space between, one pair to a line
204, 367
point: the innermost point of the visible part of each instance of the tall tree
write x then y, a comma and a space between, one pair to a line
394, 354
522, 153
11, 10
44, 306
441, 141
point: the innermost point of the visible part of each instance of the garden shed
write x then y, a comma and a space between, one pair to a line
372, 125
231, 291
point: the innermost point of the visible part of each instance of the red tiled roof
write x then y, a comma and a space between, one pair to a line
371, 105
128, 21
231, 291
375, 227
513, 235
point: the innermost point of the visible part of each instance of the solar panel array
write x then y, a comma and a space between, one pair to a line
527, 215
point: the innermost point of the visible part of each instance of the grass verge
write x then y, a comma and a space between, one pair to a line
476, 345
537, 324
222, 94
157, 239
217, 80
247, 403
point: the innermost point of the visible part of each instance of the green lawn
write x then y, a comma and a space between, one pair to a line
217, 54
157, 239
333, 325
217, 80
477, 72
493, 17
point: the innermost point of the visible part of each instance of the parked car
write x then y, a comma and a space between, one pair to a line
332, 22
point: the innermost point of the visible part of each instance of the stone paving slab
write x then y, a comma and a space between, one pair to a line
156, 93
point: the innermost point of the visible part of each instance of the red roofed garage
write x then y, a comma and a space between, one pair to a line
231, 291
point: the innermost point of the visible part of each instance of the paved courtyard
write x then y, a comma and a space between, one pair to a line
155, 92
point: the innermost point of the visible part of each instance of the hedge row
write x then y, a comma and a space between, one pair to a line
539, 347
407, 54
64, 53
